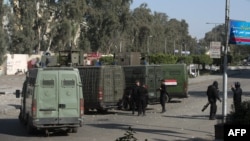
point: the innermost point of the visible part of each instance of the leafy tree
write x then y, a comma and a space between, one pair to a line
106, 23
161, 58
23, 39
2, 46
2, 34
143, 23
185, 59
108, 60
93, 25
205, 60
218, 34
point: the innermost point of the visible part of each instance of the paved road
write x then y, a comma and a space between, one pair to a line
183, 121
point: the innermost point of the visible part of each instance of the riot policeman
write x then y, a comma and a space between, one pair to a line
237, 92
142, 96
213, 95
134, 96
163, 93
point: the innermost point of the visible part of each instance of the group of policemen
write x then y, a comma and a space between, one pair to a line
213, 96
139, 97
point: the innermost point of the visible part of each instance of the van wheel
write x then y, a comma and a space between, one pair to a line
47, 133
102, 111
86, 111
21, 118
30, 128
74, 130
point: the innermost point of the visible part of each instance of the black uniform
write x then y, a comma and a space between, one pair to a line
237, 92
142, 95
134, 98
163, 91
213, 95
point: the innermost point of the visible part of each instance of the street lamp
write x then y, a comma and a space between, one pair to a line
150, 36
224, 108
215, 24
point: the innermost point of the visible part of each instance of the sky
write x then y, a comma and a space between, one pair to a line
201, 15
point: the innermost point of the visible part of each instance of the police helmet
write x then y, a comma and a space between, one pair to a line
215, 83
237, 84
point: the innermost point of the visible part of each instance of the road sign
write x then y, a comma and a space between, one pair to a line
239, 32
215, 49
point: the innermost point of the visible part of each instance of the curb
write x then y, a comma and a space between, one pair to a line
212, 77
3, 93
4, 110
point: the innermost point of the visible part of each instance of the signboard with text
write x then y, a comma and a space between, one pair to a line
215, 49
239, 32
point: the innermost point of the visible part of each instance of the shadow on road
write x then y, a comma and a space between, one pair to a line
14, 128
168, 132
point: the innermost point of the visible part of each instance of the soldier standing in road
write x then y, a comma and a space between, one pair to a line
237, 92
134, 96
213, 95
143, 92
163, 91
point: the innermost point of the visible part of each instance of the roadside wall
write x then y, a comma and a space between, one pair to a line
18, 63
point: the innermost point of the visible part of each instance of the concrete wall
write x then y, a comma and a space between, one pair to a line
17, 62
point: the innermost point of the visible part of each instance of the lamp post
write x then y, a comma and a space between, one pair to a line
215, 24
216, 40
224, 108
150, 36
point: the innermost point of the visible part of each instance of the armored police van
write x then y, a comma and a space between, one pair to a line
52, 99
103, 87
174, 75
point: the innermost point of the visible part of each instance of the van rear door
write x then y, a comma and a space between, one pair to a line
58, 97
68, 97
47, 97
113, 84
108, 85
154, 76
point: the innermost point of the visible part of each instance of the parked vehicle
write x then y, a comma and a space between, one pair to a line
103, 87
175, 76
52, 99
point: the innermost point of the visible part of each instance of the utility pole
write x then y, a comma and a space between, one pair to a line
224, 109
150, 36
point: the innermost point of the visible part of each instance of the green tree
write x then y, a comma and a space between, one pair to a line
2, 34
67, 18
23, 39
94, 25
106, 21
205, 60
185, 59
161, 58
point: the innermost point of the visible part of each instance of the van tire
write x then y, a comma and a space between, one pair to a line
30, 128
102, 111
20, 117
86, 111
74, 130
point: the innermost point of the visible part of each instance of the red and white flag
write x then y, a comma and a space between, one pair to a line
170, 82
